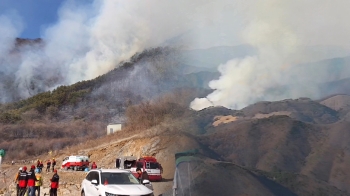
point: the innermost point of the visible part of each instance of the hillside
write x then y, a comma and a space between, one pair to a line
274, 154
233, 176
281, 143
68, 114
287, 147
302, 109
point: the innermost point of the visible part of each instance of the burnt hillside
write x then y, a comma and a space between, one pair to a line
71, 114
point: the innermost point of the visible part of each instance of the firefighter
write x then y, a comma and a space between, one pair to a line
22, 181
93, 165
17, 180
41, 166
53, 164
48, 165
39, 180
54, 183
31, 181
142, 175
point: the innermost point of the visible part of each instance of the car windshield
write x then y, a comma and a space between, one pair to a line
108, 178
153, 165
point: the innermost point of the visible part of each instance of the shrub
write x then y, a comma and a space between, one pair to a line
8, 117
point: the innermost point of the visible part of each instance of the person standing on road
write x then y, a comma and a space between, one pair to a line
31, 181
54, 183
22, 181
93, 165
39, 181
17, 180
142, 175
53, 164
48, 165
41, 166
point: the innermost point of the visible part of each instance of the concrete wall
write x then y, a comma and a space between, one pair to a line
112, 128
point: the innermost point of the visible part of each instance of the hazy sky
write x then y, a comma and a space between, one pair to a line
35, 15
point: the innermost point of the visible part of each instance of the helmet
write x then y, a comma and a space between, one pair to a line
20, 169
24, 168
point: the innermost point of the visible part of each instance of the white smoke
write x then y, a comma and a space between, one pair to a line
281, 31
90, 39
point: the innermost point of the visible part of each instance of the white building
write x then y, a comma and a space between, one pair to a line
112, 128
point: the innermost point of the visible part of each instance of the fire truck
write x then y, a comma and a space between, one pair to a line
146, 163
75, 162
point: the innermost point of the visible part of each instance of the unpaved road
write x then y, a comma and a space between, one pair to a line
69, 181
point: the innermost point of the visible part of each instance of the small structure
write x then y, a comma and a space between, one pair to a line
112, 128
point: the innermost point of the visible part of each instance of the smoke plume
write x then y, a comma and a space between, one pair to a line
283, 33
90, 39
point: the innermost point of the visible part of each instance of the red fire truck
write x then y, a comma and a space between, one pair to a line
75, 162
151, 166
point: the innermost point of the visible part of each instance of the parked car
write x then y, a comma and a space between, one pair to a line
113, 182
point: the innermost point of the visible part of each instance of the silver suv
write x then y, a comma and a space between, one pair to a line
113, 182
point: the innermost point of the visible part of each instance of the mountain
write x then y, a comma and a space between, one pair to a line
318, 149
288, 147
302, 109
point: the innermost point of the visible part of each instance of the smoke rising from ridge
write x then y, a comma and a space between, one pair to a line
90, 39
281, 32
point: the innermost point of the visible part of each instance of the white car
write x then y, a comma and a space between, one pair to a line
113, 182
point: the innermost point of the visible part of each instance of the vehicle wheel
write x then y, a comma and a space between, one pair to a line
76, 168
82, 193
66, 168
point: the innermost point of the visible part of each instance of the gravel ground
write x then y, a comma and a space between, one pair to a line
162, 187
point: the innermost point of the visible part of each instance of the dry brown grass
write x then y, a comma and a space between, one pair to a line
40, 134
152, 113
224, 119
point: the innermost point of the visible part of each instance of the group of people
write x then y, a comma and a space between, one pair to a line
50, 165
32, 180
